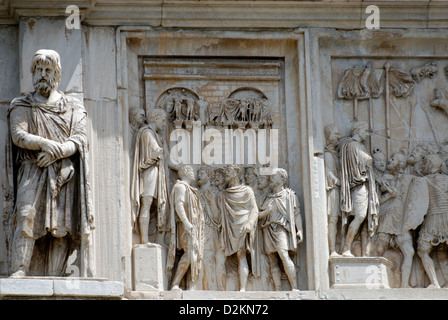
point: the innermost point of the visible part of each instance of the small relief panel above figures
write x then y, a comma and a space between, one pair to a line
225, 91
386, 166
224, 222
182, 105
244, 107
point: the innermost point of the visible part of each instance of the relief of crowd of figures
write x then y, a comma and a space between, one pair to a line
214, 220
386, 202
229, 218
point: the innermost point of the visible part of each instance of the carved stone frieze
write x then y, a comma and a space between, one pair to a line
231, 224
391, 185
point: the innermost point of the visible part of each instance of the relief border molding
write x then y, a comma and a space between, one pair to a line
235, 14
299, 93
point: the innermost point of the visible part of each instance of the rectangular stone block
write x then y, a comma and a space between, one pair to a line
88, 288
360, 272
149, 267
26, 287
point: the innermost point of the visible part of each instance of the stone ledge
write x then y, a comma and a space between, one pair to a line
330, 294
221, 295
385, 294
45, 287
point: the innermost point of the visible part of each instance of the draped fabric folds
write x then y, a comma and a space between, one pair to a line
54, 199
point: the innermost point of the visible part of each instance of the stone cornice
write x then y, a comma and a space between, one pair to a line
235, 14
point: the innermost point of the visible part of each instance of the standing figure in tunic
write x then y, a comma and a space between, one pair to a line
434, 229
392, 227
333, 184
282, 227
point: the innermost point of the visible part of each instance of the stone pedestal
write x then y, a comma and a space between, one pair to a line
149, 267
360, 272
60, 287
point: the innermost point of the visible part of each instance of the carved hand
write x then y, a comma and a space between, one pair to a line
245, 229
53, 148
188, 227
268, 210
57, 150
210, 196
44, 159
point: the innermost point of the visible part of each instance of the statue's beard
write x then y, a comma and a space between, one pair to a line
44, 85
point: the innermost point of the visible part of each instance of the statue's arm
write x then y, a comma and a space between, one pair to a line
253, 218
22, 138
298, 220
213, 205
157, 151
20, 133
265, 212
332, 178
179, 205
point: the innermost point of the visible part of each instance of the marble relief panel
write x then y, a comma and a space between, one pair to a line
386, 168
233, 223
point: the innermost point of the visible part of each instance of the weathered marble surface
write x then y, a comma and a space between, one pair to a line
297, 52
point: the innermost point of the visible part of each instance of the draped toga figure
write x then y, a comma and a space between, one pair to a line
213, 266
187, 228
332, 184
149, 176
358, 191
239, 223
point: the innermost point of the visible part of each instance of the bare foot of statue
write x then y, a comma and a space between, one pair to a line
334, 254
347, 253
18, 274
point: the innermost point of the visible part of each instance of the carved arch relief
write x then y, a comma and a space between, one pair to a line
182, 105
244, 109
404, 146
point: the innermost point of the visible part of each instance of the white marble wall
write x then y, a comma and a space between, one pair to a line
102, 64
9, 88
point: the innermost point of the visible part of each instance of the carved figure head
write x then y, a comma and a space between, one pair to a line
232, 174
263, 181
203, 176
360, 129
219, 177
157, 118
379, 159
432, 164
46, 70
137, 117
397, 162
280, 176
416, 154
186, 172
251, 175
332, 134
